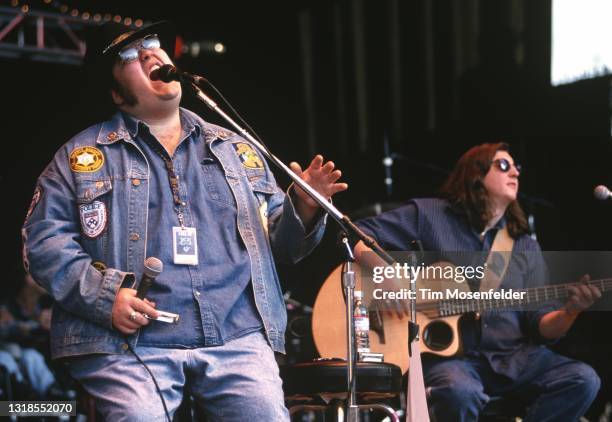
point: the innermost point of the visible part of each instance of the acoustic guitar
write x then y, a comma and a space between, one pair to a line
438, 320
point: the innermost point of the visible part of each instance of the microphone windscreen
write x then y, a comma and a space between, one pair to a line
153, 267
601, 192
163, 73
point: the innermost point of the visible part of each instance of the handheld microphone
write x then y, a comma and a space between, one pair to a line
152, 268
168, 73
602, 193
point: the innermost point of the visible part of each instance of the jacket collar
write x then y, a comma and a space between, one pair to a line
123, 126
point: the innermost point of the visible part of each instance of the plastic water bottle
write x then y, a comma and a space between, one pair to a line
361, 318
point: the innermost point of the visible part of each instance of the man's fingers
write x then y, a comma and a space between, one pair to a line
585, 293
334, 175
316, 162
295, 167
125, 329
338, 187
145, 308
595, 291
328, 167
573, 290
153, 304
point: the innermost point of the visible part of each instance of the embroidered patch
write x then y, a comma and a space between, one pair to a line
248, 156
86, 159
93, 218
35, 200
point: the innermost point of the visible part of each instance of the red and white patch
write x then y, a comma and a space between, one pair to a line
93, 218
35, 200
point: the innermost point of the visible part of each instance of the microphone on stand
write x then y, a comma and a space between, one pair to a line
602, 193
168, 73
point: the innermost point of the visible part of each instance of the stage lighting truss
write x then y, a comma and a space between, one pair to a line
41, 36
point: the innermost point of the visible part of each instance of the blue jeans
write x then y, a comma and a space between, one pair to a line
554, 387
234, 382
31, 363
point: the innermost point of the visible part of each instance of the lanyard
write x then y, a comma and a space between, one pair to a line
172, 178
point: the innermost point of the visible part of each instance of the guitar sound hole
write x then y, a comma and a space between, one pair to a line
438, 336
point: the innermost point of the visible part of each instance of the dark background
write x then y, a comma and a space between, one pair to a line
337, 78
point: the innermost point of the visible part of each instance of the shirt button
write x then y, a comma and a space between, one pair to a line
125, 346
486, 325
197, 294
134, 236
136, 182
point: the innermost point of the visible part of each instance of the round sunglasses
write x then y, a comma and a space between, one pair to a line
504, 165
130, 52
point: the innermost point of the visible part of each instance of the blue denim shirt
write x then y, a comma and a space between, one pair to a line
214, 298
100, 180
506, 339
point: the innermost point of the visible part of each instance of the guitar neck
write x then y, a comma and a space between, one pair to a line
531, 296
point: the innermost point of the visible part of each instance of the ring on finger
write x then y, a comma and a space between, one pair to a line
133, 316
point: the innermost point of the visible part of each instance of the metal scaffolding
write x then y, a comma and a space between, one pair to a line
42, 36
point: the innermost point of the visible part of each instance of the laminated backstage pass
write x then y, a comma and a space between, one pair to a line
185, 245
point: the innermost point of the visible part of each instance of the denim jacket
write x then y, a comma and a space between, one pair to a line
102, 167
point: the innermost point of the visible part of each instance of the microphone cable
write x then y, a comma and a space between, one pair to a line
161, 396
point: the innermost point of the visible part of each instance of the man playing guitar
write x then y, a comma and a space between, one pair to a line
503, 352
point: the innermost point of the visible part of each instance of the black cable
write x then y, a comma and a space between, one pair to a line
161, 396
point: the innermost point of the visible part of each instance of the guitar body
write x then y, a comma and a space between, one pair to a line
329, 325
390, 337
389, 334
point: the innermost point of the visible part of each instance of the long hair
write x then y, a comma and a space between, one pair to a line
465, 190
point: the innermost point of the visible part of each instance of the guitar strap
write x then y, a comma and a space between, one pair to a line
497, 261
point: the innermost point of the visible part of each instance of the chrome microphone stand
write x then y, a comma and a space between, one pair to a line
348, 276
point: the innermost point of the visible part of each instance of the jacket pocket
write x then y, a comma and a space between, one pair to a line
262, 188
263, 191
88, 190
217, 186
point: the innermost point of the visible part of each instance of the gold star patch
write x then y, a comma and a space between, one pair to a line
86, 159
248, 156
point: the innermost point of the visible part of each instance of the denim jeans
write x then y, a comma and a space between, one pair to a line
234, 382
554, 387
30, 363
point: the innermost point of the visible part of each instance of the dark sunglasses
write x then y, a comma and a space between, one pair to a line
129, 53
504, 165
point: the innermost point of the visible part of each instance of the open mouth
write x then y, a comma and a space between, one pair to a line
154, 66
